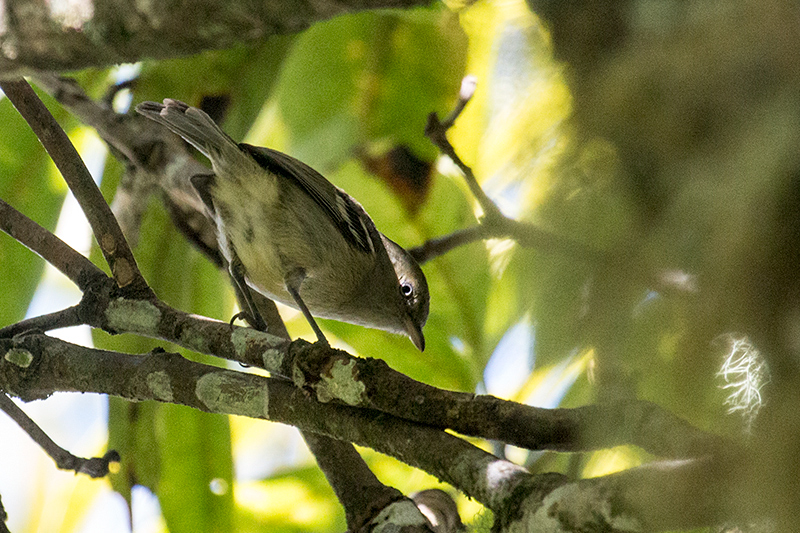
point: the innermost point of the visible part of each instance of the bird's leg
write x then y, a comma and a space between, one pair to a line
293, 280
251, 314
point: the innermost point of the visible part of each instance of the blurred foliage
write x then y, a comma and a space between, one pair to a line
32, 185
174, 451
524, 324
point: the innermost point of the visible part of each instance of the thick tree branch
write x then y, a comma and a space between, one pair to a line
93, 467
55, 365
372, 384
663, 496
104, 226
102, 33
356, 487
659, 497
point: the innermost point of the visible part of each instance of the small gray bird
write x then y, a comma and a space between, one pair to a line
293, 236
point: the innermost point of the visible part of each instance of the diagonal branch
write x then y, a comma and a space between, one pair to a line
358, 490
436, 131
104, 226
154, 157
493, 224
64, 318
93, 467
72, 264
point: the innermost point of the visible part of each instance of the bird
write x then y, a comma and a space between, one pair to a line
293, 236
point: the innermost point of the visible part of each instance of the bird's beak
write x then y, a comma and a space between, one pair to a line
414, 332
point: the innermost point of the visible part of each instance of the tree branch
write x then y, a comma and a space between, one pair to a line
583, 428
663, 496
109, 32
104, 226
436, 131
45, 244
356, 487
372, 384
64, 318
493, 224
94, 467
433, 248
56, 365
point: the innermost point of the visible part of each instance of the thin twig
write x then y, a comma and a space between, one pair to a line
468, 86
104, 226
525, 234
436, 131
496, 225
441, 245
93, 467
72, 264
56, 320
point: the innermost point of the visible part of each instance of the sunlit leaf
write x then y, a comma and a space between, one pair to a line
297, 500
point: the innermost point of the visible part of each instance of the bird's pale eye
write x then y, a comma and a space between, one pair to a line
406, 289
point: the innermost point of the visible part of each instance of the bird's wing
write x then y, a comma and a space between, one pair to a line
349, 217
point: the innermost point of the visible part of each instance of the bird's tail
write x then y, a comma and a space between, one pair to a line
191, 123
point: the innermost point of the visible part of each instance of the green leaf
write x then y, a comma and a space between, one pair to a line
244, 74
346, 82
30, 184
195, 454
